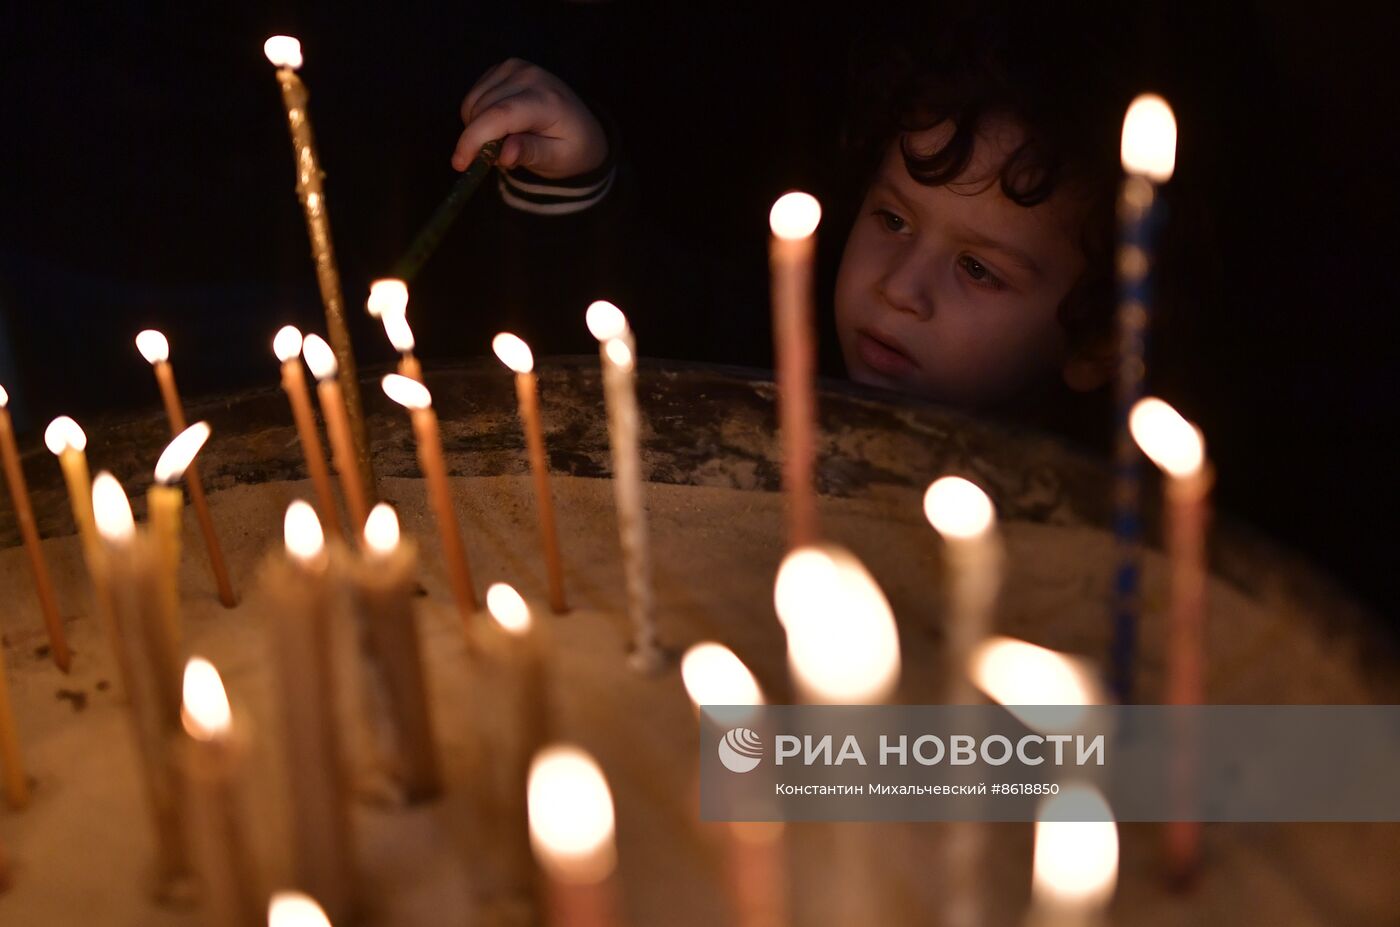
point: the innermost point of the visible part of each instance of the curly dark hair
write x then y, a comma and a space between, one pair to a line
1049, 67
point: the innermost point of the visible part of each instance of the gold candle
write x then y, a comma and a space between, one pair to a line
415, 397
152, 682
214, 756
1177, 447
285, 54
300, 595
156, 350
382, 584
791, 256
322, 362
24, 514
572, 831
511, 652
165, 509
515, 354
287, 346
755, 870
388, 302
618, 350
11, 757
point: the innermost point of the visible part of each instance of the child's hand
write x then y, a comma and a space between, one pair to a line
546, 128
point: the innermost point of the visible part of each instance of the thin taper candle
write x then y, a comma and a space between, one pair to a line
11, 756
287, 346
322, 362
24, 514
285, 54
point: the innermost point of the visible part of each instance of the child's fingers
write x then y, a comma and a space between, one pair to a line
522, 113
493, 78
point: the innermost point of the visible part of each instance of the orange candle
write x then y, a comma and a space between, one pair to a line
515, 354
791, 255
156, 350
1177, 447
321, 359
287, 346
11, 758
572, 832
24, 514
415, 397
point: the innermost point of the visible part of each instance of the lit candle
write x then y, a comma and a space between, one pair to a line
156, 350
791, 256
516, 355
152, 682
165, 509
24, 514
214, 760
415, 397
301, 599
11, 757
511, 650
285, 54
618, 350
1149, 157
1076, 860
287, 346
388, 302
293, 909
754, 850
67, 441
382, 584
572, 833
963, 515
843, 649
1178, 448
321, 359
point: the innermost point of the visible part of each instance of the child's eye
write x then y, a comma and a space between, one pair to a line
890, 221
979, 271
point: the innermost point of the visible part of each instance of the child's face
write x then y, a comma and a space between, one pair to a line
952, 291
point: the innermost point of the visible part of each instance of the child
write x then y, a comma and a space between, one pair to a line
976, 271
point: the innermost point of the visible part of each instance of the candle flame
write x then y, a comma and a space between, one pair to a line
111, 509
64, 433
605, 321
301, 532
406, 391
397, 328
619, 353
1076, 850
153, 346
1047, 690
571, 815
176, 457
958, 508
843, 645
508, 608
319, 357
382, 529
1170, 441
206, 714
795, 215
293, 909
4, 397
513, 352
283, 51
1149, 138
713, 675
387, 297
286, 344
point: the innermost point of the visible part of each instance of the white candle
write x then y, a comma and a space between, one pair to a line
793, 221
1076, 860
617, 349
572, 832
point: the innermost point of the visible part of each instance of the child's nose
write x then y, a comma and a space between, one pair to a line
908, 287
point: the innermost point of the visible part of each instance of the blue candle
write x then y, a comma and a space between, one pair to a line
1149, 156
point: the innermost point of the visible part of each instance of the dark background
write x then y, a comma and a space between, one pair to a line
147, 181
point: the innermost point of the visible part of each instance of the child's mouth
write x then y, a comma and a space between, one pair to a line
882, 356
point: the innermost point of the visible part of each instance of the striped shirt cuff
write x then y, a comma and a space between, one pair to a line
528, 192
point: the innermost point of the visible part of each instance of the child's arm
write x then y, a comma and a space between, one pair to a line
555, 156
